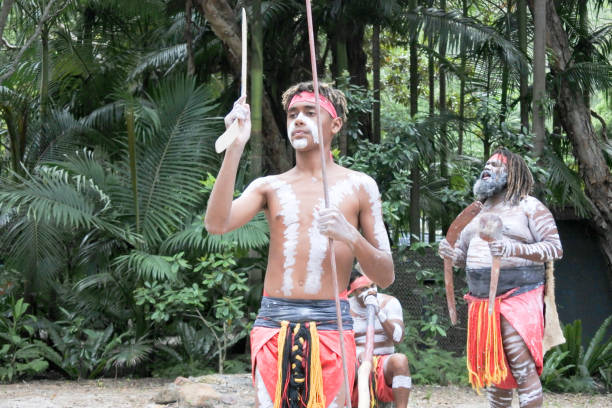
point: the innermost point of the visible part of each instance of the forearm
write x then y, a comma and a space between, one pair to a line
220, 201
538, 252
376, 264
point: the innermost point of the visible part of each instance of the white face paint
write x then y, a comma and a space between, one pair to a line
310, 125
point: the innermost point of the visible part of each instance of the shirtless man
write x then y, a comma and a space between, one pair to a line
529, 239
296, 308
392, 381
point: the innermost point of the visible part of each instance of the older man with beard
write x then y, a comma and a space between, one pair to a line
529, 240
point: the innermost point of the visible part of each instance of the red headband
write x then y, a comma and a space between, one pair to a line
500, 157
360, 282
306, 96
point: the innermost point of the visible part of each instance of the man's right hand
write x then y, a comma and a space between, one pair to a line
241, 112
445, 250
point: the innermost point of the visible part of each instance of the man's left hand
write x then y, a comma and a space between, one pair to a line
333, 225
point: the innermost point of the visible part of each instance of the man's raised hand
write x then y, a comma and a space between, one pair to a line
241, 114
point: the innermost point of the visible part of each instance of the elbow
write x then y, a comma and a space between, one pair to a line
387, 280
214, 228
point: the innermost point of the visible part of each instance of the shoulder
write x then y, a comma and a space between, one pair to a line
387, 300
531, 205
259, 184
364, 181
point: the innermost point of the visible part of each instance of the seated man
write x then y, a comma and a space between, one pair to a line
391, 375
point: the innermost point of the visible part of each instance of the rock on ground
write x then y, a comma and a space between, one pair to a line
235, 391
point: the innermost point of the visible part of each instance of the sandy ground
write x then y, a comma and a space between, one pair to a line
108, 393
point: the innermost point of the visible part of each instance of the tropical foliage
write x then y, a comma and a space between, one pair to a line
109, 111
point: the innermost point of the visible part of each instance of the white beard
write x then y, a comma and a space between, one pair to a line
484, 189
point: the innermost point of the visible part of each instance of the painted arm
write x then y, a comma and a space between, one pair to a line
392, 320
460, 253
544, 230
371, 248
223, 214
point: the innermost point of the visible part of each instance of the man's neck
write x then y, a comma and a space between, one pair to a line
496, 199
309, 162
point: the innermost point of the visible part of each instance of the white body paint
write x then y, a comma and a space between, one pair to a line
319, 243
382, 343
289, 210
311, 125
529, 230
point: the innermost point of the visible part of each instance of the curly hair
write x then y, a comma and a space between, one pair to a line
335, 96
520, 179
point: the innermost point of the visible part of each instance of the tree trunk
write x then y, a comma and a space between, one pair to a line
442, 101
524, 75
189, 38
44, 76
462, 86
539, 77
256, 140
376, 83
576, 120
341, 67
222, 21
415, 171
4, 12
357, 64
505, 73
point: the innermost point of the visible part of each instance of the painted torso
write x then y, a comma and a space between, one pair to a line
299, 265
529, 227
383, 344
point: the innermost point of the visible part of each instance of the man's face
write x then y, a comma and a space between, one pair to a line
302, 128
493, 178
361, 293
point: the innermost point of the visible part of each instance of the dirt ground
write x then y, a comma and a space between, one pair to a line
124, 393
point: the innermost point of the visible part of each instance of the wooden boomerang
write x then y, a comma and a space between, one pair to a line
452, 235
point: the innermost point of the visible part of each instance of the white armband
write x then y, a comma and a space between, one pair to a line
402, 381
382, 316
397, 333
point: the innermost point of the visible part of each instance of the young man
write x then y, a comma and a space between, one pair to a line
391, 374
529, 239
295, 348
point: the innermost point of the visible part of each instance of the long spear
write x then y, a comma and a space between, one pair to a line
315, 84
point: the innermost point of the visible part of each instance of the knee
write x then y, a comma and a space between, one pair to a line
398, 363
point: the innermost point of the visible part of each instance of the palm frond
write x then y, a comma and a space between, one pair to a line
457, 29
35, 248
130, 355
166, 57
171, 163
589, 77
566, 185
145, 265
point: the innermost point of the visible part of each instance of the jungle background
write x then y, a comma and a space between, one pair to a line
108, 114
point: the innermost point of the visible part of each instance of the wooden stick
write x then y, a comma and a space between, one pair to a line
363, 386
243, 79
315, 84
232, 132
